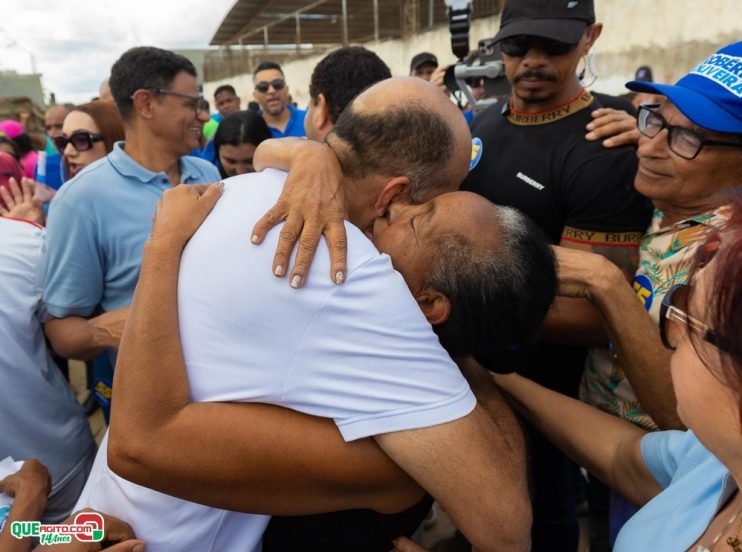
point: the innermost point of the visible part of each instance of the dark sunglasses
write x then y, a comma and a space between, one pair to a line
674, 315
80, 140
519, 46
277, 84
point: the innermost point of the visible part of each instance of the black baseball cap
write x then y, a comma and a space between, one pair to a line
421, 59
561, 20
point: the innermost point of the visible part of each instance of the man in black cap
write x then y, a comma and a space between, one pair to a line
423, 65
533, 156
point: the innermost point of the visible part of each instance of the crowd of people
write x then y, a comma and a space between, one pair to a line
307, 326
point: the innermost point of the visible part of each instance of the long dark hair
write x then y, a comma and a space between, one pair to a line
239, 128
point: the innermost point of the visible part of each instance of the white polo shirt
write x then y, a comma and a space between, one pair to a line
362, 354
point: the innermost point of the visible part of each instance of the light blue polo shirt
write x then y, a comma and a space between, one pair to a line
295, 126
695, 486
97, 226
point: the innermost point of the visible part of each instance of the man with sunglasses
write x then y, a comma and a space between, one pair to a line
534, 157
272, 94
99, 220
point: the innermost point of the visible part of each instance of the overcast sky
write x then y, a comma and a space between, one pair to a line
75, 42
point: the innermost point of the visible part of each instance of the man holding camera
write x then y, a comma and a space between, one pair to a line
534, 157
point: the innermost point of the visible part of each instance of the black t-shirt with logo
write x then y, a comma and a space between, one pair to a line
542, 165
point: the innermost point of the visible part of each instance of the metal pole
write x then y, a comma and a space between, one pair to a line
376, 20
265, 38
431, 12
298, 36
345, 23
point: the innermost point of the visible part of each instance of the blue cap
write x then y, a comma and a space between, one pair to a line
710, 95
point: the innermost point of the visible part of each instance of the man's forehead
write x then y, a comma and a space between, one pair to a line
268, 74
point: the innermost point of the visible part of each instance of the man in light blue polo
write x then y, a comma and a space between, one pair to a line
99, 221
272, 94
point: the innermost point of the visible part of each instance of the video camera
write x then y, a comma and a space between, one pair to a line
491, 70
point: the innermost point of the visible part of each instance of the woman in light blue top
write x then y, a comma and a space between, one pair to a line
686, 481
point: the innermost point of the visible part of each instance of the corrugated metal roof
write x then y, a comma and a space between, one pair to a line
321, 22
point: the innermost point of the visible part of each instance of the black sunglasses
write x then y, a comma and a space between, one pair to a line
519, 46
80, 140
277, 84
674, 313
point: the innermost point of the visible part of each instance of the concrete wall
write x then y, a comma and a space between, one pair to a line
669, 35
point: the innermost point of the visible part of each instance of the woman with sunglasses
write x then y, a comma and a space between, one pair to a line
687, 482
88, 134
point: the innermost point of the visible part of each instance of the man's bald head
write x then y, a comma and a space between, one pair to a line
54, 118
404, 127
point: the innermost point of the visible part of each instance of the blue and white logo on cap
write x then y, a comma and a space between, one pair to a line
724, 70
476, 152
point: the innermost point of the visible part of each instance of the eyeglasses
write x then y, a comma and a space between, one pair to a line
200, 105
674, 317
519, 46
683, 142
80, 140
277, 84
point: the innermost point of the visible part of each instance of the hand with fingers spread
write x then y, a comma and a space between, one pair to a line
118, 537
614, 126
312, 204
18, 201
181, 210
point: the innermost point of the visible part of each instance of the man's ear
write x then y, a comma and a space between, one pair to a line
435, 305
321, 115
143, 101
397, 188
592, 36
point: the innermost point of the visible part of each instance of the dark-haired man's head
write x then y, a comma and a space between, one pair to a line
335, 81
399, 138
271, 91
483, 275
157, 95
226, 99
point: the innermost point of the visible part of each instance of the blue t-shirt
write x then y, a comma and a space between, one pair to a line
695, 486
295, 126
98, 224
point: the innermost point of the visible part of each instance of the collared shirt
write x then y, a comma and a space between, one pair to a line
665, 257
98, 224
295, 126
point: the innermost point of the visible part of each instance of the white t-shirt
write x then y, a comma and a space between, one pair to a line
362, 354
